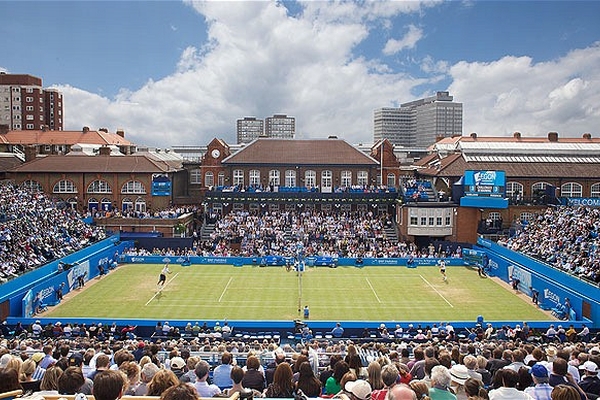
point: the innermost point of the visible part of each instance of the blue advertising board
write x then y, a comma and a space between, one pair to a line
161, 186
485, 183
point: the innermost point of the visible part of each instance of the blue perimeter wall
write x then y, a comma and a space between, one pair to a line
552, 284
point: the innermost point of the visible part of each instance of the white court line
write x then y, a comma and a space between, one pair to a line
373, 290
161, 289
224, 290
441, 295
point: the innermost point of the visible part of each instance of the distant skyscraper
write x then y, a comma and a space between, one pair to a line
26, 105
249, 129
280, 126
419, 123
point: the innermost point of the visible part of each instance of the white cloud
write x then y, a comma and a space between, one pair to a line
409, 41
259, 60
515, 94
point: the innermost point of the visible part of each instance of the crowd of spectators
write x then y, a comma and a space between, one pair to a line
438, 367
34, 231
564, 237
164, 213
340, 234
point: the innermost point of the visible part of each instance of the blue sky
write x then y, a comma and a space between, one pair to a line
172, 73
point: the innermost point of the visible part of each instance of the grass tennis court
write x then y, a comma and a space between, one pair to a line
206, 292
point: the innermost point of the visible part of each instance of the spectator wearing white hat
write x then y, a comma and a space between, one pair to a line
590, 382
358, 389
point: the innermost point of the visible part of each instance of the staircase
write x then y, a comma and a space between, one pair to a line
206, 230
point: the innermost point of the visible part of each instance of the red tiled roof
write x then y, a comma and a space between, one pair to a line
300, 152
26, 137
455, 166
95, 164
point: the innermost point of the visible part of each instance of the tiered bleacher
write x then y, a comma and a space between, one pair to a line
34, 231
565, 237
168, 361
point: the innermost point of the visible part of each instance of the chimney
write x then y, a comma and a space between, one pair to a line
553, 136
121, 132
474, 135
105, 130
85, 129
517, 135
3, 129
104, 151
30, 153
587, 136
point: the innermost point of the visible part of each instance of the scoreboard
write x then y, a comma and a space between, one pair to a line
484, 189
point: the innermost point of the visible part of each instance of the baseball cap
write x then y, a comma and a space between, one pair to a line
177, 363
75, 360
359, 388
539, 371
589, 366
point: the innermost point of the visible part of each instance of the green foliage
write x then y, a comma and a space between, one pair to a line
204, 292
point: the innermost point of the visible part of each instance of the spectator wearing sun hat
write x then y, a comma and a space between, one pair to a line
178, 365
541, 389
459, 374
39, 372
358, 389
590, 382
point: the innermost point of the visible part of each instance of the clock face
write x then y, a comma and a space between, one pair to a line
215, 153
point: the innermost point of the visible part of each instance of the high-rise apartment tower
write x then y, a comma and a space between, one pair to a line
26, 105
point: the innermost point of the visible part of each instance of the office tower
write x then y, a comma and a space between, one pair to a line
419, 123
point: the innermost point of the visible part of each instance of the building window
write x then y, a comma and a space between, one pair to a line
391, 180
64, 186
93, 204
413, 217
209, 178
29, 99
29, 108
29, 90
326, 179
571, 189
254, 177
238, 177
99, 186
539, 186
133, 187
494, 216
196, 176
290, 178
310, 179
127, 205
32, 186
514, 189
274, 177
346, 179
526, 217
140, 205
29, 126
595, 190
221, 179
106, 204
362, 178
